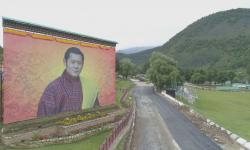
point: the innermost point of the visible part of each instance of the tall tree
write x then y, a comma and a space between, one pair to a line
248, 69
198, 78
117, 65
125, 67
162, 71
187, 74
222, 76
211, 75
145, 67
231, 75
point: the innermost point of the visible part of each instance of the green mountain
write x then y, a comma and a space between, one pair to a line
137, 58
132, 50
220, 40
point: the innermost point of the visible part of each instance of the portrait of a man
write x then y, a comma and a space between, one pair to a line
67, 92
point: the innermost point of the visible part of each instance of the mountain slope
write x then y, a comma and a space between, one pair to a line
137, 58
220, 40
134, 50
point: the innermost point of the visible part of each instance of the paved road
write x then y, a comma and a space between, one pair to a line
159, 126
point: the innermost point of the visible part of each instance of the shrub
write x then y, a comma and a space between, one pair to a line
35, 136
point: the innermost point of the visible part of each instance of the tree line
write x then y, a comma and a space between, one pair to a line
164, 72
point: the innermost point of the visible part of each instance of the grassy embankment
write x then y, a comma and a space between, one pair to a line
91, 143
229, 109
121, 85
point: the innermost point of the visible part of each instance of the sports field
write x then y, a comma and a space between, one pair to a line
228, 109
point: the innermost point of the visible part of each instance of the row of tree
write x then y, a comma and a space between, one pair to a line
214, 76
164, 73
161, 70
125, 67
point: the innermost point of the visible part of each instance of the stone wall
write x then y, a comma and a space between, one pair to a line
61, 140
13, 138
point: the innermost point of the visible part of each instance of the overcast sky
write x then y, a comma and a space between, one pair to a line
131, 23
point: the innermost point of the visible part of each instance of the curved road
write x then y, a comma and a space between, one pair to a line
159, 126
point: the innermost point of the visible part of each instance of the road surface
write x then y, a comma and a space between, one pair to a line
159, 126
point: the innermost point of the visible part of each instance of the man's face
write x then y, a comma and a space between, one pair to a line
74, 64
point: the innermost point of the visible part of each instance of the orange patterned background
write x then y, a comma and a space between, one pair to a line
32, 61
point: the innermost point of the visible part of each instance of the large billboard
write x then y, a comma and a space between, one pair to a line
53, 72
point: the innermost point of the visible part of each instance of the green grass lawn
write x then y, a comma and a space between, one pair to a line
120, 86
122, 143
229, 109
92, 143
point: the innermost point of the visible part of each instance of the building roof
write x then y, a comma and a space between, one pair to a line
31, 27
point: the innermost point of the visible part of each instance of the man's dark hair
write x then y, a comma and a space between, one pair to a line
74, 50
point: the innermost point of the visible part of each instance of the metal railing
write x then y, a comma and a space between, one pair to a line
116, 131
124, 96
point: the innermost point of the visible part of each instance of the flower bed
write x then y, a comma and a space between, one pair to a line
34, 124
62, 140
65, 127
80, 118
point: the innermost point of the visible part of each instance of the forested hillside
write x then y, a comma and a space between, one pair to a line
219, 41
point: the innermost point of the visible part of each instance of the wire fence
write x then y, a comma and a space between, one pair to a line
188, 93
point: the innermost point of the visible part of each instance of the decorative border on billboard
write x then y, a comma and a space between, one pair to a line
57, 39
40, 29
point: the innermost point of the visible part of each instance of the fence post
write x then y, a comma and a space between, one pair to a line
116, 131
